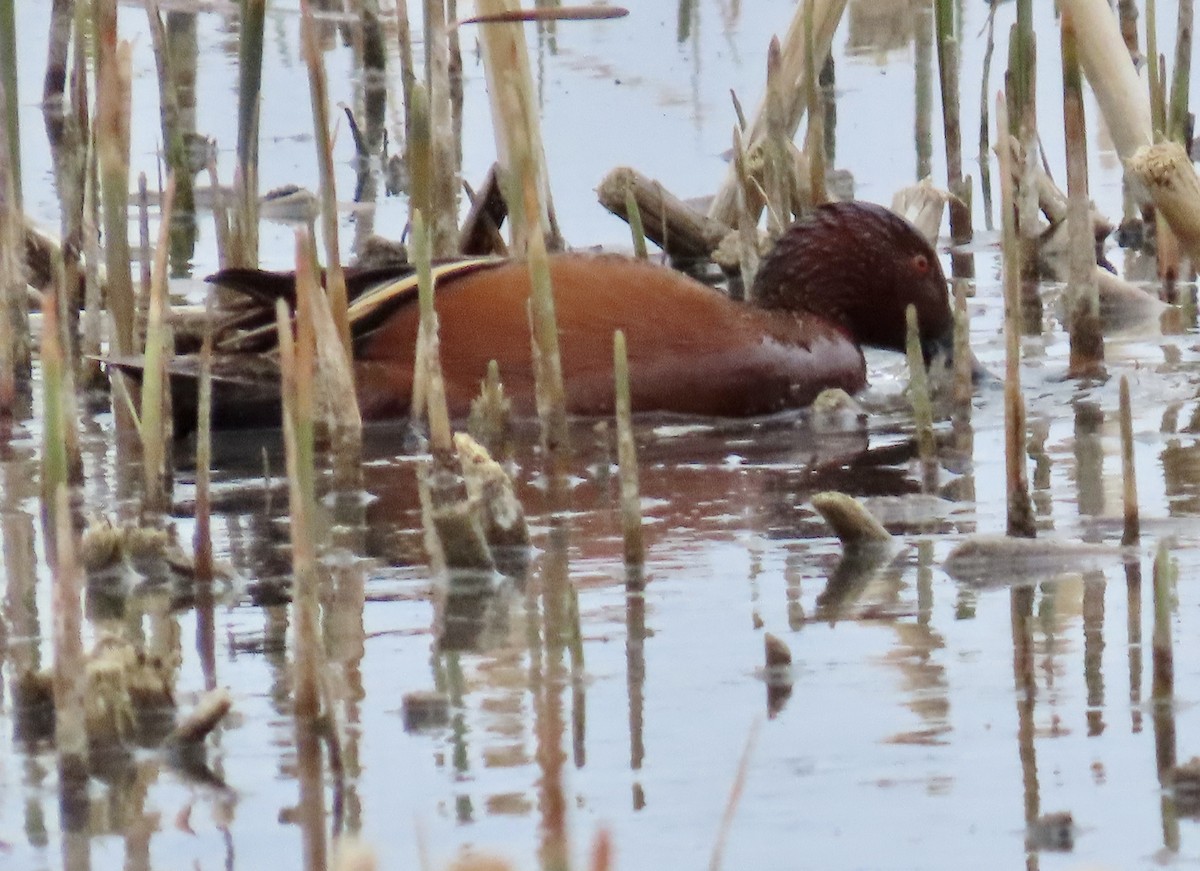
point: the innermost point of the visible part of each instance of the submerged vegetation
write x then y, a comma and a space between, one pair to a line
472, 581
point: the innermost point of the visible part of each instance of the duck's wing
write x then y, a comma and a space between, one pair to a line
245, 390
374, 294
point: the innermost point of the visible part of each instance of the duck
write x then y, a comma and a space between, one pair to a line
836, 281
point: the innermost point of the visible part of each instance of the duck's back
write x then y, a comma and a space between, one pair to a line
691, 349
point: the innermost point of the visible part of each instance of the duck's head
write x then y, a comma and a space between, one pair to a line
859, 265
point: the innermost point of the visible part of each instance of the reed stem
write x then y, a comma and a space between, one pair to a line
154, 376
631, 508
519, 149
243, 250
335, 279
635, 225
202, 534
112, 143
1129, 496
441, 215
918, 389
1177, 114
794, 68
948, 62
441, 438
1020, 509
1087, 339
8, 85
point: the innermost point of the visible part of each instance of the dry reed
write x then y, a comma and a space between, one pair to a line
794, 68
155, 388
335, 279
1087, 339
1020, 509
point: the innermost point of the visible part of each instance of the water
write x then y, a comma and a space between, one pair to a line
928, 720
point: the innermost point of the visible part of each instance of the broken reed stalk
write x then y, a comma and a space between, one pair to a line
335, 402
794, 67
441, 213
202, 534
335, 279
1020, 508
638, 231
776, 172
519, 149
112, 143
1163, 686
918, 389
948, 62
156, 494
1087, 338
70, 670
1167, 172
243, 248
1177, 111
1129, 496
748, 203
814, 136
1110, 71
631, 509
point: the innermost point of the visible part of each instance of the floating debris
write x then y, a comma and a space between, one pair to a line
1054, 832
1003, 560
425, 710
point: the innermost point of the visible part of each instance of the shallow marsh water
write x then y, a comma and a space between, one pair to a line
929, 719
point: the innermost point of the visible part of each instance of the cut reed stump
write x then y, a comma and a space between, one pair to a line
1171, 180
852, 524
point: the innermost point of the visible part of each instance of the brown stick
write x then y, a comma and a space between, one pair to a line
669, 222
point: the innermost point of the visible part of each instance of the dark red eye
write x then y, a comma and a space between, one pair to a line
921, 264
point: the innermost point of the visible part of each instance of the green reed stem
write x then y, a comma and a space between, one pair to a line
631, 508
8, 83
154, 375
112, 138
1158, 88
1129, 495
948, 61
1177, 123
634, 211
441, 438
918, 389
